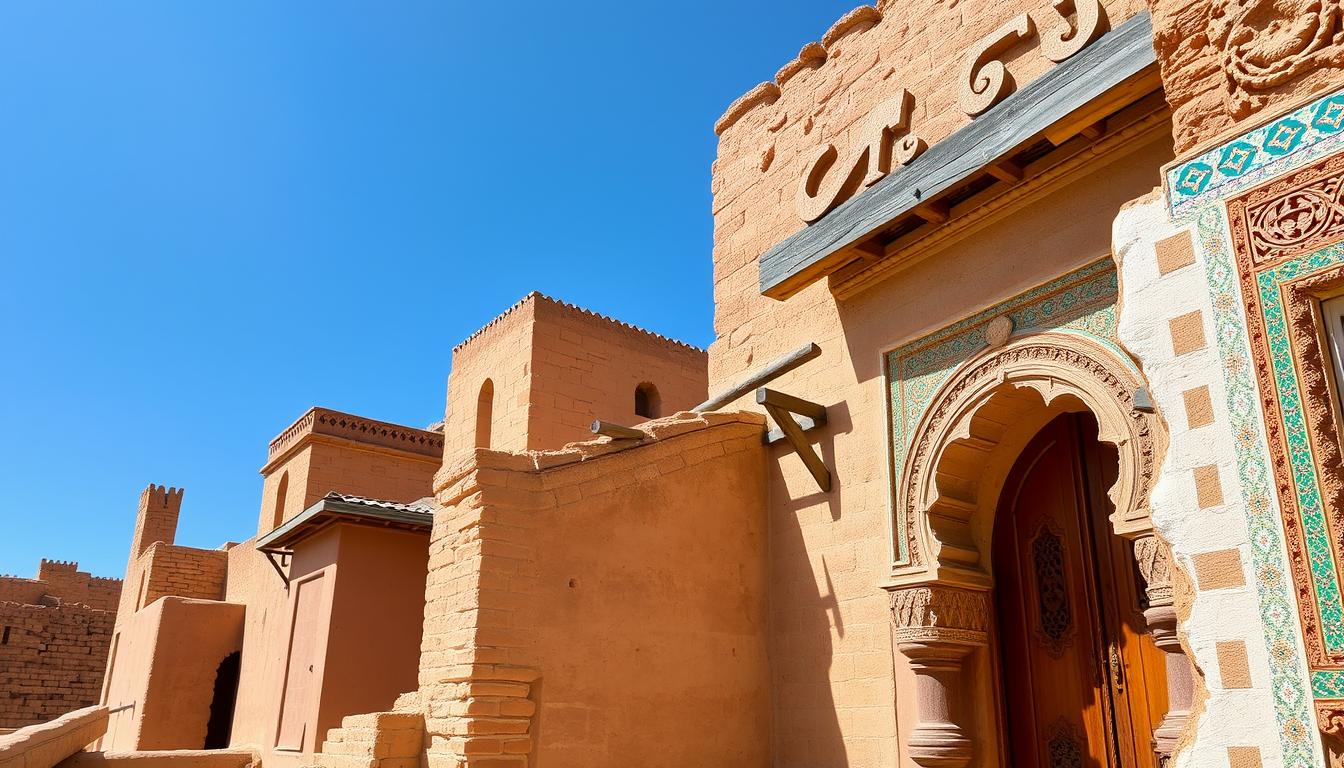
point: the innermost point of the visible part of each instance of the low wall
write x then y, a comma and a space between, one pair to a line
46, 744
604, 605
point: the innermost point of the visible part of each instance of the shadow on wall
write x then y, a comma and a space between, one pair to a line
807, 730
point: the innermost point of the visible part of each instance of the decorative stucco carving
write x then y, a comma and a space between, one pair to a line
984, 79
954, 439
884, 142
1066, 38
1292, 216
1154, 561
1264, 44
944, 614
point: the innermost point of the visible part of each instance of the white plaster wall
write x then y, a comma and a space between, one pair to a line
1231, 717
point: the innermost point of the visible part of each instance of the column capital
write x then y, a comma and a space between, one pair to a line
931, 613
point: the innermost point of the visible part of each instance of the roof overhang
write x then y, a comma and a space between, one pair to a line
328, 511
1070, 99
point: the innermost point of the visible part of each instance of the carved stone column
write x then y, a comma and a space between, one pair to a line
1155, 565
937, 628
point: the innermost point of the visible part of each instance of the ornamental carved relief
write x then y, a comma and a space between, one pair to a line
1291, 216
1312, 197
935, 613
1154, 561
1264, 44
1054, 613
935, 515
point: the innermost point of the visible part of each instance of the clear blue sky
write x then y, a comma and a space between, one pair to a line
215, 215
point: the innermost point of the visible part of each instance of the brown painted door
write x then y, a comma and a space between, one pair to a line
1077, 668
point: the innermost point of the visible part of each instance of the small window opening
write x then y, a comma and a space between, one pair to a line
485, 407
647, 403
4, 639
278, 514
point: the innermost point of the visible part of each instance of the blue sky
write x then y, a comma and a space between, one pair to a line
213, 216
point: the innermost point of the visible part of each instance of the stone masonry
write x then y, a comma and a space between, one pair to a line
54, 636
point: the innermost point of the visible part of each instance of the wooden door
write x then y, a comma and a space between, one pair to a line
1077, 668
302, 686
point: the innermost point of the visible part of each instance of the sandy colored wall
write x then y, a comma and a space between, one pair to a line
51, 660
182, 572
502, 353
47, 744
65, 580
835, 700
252, 582
168, 656
640, 640
587, 367
377, 613
323, 465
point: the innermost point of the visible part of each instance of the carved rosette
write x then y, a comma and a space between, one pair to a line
1264, 44
940, 614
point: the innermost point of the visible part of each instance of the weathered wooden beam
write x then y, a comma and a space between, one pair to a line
1115, 61
935, 212
804, 423
617, 431
777, 367
769, 397
1006, 170
794, 434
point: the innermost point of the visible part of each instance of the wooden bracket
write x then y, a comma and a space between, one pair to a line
279, 560
616, 431
782, 409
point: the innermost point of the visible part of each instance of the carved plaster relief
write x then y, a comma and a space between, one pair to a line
1066, 38
1263, 44
984, 79
885, 142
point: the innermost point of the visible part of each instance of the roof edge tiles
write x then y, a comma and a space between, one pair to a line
575, 309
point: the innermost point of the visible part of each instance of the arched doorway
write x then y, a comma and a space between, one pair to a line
1082, 682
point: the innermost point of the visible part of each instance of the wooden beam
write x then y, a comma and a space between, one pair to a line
775, 368
1006, 170
1116, 60
770, 397
804, 423
794, 434
617, 432
935, 212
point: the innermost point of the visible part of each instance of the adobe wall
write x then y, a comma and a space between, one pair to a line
642, 639
54, 636
555, 368
586, 367
254, 583
51, 659
182, 572
168, 656
501, 351
328, 451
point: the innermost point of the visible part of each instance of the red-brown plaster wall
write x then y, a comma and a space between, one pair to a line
624, 597
502, 353
168, 655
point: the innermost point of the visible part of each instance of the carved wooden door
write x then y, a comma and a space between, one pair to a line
1077, 668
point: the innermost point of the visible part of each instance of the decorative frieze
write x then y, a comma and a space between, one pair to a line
940, 614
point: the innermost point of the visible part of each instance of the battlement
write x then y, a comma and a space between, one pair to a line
158, 497
48, 566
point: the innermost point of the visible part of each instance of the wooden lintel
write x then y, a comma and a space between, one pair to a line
772, 398
617, 431
1094, 131
1006, 170
1116, 69
798, 441
935, 212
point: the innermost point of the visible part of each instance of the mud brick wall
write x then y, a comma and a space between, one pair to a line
183, 572
51, 660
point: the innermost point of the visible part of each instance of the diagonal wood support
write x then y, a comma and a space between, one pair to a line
782, 409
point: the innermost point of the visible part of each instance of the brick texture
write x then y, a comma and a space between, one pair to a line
1208, 488
1219, 570
1175, 252
1234, 667
1187, 333
1198, 407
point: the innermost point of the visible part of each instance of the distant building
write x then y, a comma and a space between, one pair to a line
54, 635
